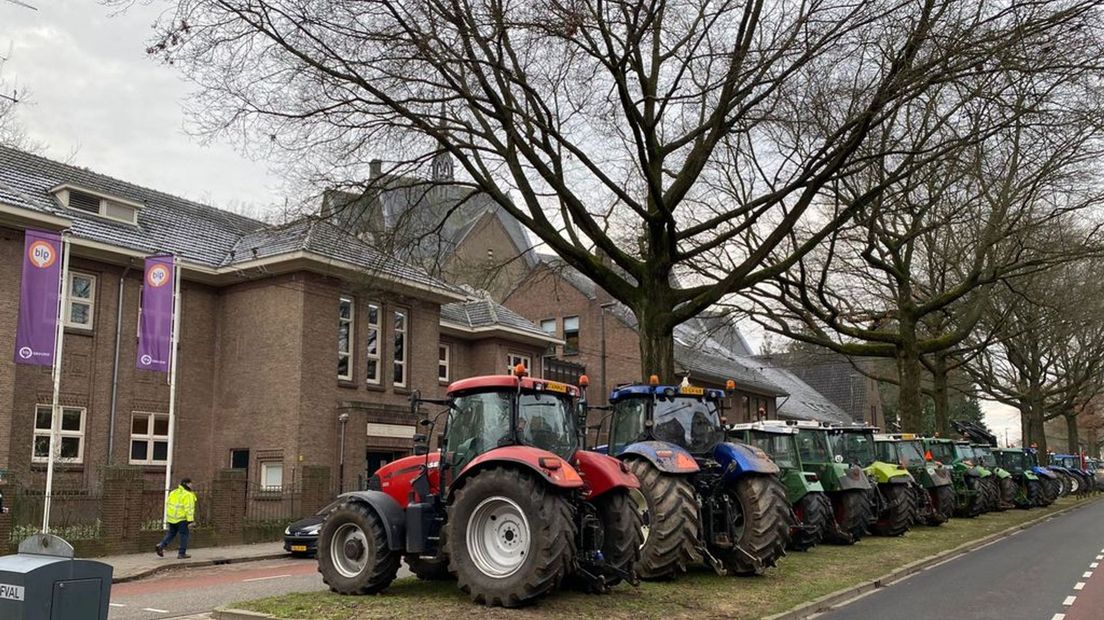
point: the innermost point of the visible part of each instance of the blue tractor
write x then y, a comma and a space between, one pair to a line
707, 499
1082, 479
1052, 486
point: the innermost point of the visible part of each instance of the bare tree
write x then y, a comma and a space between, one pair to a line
668, 150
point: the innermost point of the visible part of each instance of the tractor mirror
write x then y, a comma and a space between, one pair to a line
421, 450
420, 438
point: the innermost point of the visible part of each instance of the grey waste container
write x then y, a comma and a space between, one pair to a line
44, 582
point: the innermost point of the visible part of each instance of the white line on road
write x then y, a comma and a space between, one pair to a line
264, 578
156, 611
1087, 574
1058, 617
1069, 600
117, 604
1094, 565
1080, 585
1100, 557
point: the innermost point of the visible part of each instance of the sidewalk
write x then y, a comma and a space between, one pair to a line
138, 565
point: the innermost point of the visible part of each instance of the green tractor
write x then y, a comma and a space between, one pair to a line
984, 442
894, 511
811, 507
934, 495
1029, 489
845, 484
966, 478
987, 482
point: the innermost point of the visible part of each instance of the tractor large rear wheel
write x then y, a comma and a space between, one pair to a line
763, 527
975, 500
1063, 484
1036, 495
1007, 497
622, 530
353, 555
813, 512
511, 538
897, 511
943, 504
991, 494
850, 510
1051, 490
1074, 483
671, 524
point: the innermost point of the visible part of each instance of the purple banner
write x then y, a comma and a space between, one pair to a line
39, 296
155, 321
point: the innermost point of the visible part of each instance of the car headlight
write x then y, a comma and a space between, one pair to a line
312, 530
287, 531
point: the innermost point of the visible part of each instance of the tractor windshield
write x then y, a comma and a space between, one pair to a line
942, 451
963, 452
689, 422
812, 445
912, 453
985, 456
1031, 459
887, 451
545, 421
481, 422
628, 423
779, 446
1011, 460
855, 448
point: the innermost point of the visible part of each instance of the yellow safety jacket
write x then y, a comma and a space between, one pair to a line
180, 506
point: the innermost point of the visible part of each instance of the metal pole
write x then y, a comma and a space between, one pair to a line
55, 413
115, 368
344, 419
172, 389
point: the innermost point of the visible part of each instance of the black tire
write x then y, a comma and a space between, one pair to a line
1063, 484
429, 569
1036, 495
849, 511
672, 522
1051, 489
1074, 483
366, 537
622, 531
975, 501
812, 513
550, 552
766, 519
1007, 497
943, 504
897, 513
990, 493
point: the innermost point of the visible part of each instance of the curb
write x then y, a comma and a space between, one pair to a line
238, 614
180, 566
833, 599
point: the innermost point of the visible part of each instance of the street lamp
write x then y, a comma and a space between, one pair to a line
344, 419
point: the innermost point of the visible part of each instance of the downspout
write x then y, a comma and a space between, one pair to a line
115, 367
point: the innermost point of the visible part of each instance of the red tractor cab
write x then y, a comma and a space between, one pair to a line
508, 503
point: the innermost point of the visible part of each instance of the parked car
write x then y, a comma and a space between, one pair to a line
301, 537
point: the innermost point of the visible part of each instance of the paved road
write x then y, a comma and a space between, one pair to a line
1051, 571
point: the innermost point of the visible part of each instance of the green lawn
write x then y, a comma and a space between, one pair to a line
800, 577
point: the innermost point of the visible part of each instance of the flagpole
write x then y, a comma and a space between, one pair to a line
55, 413
172, 387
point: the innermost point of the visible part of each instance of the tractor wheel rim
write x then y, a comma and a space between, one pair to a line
641, 505
498, 537
349, 550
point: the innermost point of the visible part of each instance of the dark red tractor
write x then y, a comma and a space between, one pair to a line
522, 507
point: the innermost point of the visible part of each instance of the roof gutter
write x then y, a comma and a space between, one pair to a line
475, 332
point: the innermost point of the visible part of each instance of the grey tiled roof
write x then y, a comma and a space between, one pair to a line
195, 232
486, 313
802, 401
832, 375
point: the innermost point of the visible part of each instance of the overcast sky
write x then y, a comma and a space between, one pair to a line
97, 100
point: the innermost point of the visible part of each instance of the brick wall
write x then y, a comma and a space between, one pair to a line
487, 259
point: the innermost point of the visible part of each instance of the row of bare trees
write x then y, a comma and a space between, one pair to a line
907, 179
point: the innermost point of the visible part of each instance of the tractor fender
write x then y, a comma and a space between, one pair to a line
1028, 475
1001, 473
603, 473
976, 472
737, 459
388, 511
852, 477
666, 457
888, 473
939, 476
544, 464
1043, 472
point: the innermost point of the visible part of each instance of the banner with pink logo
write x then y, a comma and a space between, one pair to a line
39, 295
155, 321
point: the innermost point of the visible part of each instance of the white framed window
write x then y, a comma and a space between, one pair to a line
548, 326
400, 327
272, 475
149, 438
444, 358
70, 447
345, 319
571, 334
371, 351
81, 300
513, 359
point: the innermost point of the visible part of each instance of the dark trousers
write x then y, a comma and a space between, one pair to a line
182, 528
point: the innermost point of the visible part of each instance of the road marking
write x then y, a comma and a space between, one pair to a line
1058, 617
264, 578
117, 604
1100, 557
1080, 585
1087, 574
156, 611
1069, 600
1094, 565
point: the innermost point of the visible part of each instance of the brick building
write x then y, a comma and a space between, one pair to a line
843, 380
284, 331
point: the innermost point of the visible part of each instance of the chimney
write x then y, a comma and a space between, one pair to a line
375, 169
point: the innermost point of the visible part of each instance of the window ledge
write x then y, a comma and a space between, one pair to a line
347, 384
375, 387
79, 331
402, 390
58, 467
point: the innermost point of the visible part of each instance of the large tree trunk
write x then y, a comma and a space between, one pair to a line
940, 395
1034, 431
909, 397
1072, 435
657, 344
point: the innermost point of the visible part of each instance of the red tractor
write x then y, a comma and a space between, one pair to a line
522, 506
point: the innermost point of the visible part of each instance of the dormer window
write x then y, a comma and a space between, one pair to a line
102, 205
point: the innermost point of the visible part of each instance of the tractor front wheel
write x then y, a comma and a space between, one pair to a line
764, 527
1036, 496
813, 512
897, 513
671, 524
510, 537
943, 504
353, 555
850, 510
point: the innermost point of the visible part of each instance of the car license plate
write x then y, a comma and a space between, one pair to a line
298, 547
